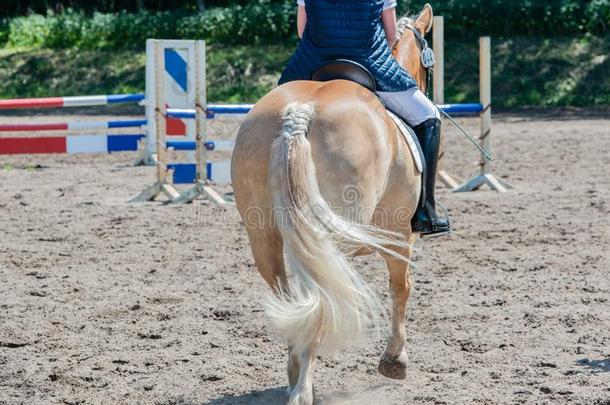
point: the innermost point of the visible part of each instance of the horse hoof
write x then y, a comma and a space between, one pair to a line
300, 396
395, 369
299, 400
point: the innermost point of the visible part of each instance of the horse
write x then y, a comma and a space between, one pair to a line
320, 173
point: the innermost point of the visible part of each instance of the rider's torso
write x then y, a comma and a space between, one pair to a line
343, 29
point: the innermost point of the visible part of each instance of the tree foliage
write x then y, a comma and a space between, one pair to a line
268, 21
506, 18
20, 7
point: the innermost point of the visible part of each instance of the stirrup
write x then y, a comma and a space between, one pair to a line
435, 234
419, 226
441, 233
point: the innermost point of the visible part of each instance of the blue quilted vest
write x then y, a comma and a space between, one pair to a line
347, 29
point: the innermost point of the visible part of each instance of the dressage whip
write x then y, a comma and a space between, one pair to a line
467, 135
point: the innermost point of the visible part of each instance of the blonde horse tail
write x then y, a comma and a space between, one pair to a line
325, 302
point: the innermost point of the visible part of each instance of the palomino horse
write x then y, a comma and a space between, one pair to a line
320, 172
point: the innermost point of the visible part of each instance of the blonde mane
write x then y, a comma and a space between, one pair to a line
402, 25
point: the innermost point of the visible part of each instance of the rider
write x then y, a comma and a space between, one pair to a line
364, 31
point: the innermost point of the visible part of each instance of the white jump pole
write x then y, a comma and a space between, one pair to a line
161, 185
484, 176
485, 97
160, 114
157, 107
148, 156
438, 46
201, 186
200, 113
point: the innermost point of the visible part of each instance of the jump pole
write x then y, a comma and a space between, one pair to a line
484, 176
202, 186
438, 46
161, 185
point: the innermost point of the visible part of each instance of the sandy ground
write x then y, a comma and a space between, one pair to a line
105, 302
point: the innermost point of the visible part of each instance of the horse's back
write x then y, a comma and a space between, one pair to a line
353, 142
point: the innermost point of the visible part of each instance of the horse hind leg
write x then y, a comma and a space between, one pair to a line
294, 368
393, 363
301, 391
268, 256
267, 249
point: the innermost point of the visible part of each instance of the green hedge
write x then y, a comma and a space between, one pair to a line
506, 18
20, 7
259, 21
525, 71
266, 21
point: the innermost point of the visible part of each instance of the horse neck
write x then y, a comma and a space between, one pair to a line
411, 63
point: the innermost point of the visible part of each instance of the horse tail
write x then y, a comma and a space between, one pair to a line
325, 302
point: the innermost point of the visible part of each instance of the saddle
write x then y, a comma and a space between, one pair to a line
344, 69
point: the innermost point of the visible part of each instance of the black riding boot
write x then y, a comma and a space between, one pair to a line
426, 221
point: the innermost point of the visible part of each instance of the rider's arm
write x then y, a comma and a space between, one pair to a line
301, 18
388, 18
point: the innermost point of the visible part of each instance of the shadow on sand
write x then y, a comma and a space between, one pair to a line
270, 396
277, 396
596, 365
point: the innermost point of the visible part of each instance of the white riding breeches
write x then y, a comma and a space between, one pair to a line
411, 105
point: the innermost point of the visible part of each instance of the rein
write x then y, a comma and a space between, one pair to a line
427, 60
427, 55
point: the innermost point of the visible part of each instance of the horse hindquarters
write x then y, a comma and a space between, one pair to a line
326, 302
